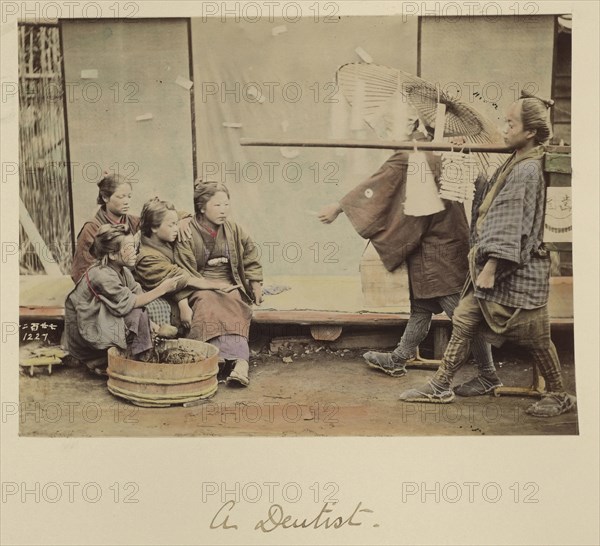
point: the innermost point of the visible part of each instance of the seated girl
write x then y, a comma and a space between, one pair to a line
105, 309
114, 198
225, 274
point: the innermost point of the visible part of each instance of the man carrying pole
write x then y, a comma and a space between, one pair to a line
434, 246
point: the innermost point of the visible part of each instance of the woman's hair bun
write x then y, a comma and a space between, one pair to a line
199, 183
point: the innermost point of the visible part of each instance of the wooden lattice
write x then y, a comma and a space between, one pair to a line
42, 152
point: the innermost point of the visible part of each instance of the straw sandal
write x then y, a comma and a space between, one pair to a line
478, 386
386, 362
552, 404
430, 393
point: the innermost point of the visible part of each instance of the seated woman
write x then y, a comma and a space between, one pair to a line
105, 308
114, 198
225, 276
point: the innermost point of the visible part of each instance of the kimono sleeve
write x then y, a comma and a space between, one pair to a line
116, 296
481, 187
376, 210
83, 258
154, 269
133, 285
250, 258
368, 204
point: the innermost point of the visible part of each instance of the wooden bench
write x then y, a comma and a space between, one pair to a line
325, 304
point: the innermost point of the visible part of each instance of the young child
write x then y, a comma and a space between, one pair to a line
508, 283
105, 309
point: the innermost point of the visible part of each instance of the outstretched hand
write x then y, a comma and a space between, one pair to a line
329, 213
170, 284
257, 292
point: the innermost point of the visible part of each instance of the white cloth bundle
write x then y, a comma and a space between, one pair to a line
422, 197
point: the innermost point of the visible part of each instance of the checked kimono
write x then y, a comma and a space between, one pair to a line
508, 224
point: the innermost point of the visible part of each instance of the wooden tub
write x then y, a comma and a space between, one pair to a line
161, 385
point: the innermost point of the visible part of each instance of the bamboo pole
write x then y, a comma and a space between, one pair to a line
375, 144
390, 144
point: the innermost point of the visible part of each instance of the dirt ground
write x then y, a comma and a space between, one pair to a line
322, 392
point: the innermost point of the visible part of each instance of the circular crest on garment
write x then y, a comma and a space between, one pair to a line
368, 193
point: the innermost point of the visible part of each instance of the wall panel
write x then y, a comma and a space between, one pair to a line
137, 63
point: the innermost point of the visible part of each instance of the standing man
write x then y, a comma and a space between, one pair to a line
509, 269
